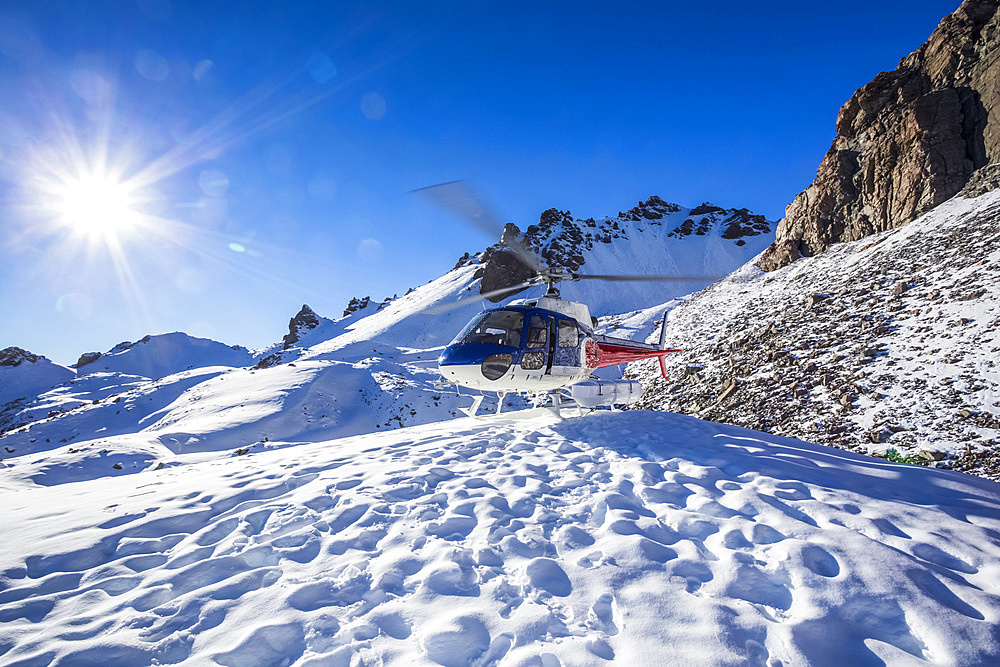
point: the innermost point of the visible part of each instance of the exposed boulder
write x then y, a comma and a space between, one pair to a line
501, 266
779, 254
907, 141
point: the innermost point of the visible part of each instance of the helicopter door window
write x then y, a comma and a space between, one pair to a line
537, 332
500, 327
567, 333
566, 353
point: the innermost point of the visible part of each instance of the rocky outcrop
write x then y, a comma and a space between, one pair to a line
886, 342
741, 222
303, 321
983, 180
779, 254
356, 304
652, 209
907, 141
15, 356
502, 266
87, 358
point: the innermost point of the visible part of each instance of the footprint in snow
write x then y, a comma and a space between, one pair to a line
456, 642
602, 614
820, 561
546, 574
694, 574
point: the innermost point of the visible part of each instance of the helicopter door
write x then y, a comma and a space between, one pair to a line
537, 354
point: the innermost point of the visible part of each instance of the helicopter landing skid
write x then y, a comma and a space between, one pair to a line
478, 400
471, 410
560, 402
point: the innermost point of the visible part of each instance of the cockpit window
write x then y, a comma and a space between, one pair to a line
500, 327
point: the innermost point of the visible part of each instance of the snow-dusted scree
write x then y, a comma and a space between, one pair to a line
643, 538
887, 343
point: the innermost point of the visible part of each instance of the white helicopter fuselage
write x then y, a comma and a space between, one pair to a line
515, 379
530, 345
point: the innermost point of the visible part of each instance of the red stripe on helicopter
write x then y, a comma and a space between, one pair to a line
612, 355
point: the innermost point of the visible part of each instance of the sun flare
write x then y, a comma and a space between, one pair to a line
96, 204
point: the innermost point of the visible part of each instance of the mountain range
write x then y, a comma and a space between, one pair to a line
141, 404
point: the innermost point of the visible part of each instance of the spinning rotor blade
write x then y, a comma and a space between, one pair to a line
674, 279
458, 198
448, 307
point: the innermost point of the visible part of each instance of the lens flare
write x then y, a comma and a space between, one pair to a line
96, 205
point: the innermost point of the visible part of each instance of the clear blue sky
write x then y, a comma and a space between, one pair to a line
268, 147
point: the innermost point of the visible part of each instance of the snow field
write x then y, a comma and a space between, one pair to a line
642, 538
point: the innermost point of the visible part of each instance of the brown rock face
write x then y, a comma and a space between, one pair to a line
905, 142
502, 267
779, 254
303, 321
87, 358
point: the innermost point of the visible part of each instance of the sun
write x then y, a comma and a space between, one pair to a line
96, 204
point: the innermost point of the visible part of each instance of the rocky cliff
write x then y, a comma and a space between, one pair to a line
906, 142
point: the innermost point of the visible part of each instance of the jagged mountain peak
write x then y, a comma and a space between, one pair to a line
654, 237
303, 321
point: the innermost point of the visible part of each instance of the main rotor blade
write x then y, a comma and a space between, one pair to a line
458, 198
676, 279
448, 307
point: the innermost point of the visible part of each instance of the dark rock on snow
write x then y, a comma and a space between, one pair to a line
303, 321
15, 356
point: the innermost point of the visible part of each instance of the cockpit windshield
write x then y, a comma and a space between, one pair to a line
499, 327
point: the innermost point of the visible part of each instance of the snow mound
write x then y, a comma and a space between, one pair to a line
634, 537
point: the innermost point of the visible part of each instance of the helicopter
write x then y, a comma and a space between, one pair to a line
544, 345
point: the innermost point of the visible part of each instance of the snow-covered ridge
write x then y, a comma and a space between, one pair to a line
157, 356
653, 238
24, 375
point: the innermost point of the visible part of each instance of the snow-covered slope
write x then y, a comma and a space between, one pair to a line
157, 356
632, 538
24, 375
888, 343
